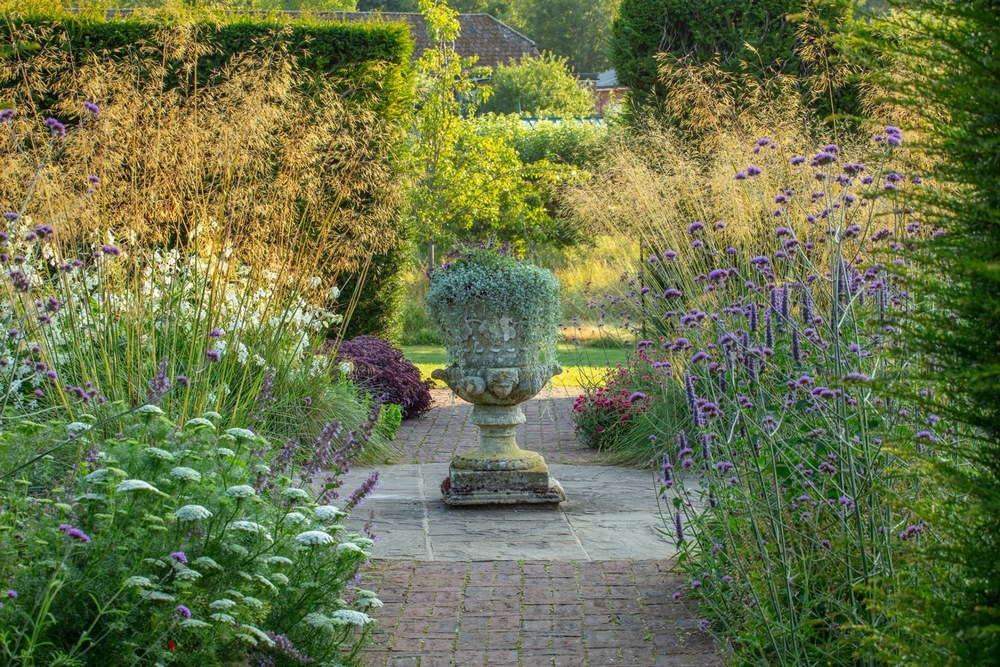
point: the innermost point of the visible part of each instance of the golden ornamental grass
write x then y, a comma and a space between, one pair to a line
289, 172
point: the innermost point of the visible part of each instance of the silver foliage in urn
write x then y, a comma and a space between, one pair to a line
499, 317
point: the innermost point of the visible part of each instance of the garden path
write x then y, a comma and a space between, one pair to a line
587, 584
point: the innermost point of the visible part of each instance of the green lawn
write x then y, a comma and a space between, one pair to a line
581, 364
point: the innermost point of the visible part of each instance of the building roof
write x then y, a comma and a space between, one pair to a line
482, 35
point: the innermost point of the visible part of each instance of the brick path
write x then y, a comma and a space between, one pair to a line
517, 613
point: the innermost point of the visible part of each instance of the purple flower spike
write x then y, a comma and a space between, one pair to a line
75, 533
823, 158
57, 128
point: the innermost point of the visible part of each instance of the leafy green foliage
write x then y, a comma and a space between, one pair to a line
566, 142
176, 534
946, 78
466, 184
758, 41
541, 86
575, 29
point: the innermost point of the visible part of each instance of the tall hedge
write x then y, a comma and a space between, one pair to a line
946, 76
755, 39
370, 62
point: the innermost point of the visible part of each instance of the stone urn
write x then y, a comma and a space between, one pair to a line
499, 319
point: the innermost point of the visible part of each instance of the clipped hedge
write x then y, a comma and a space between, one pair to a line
368, 63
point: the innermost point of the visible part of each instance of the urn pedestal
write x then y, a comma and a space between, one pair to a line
498, 472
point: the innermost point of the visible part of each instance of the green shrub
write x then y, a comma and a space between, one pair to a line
759, 41
566, 142
946, 82
175, 544
537, 86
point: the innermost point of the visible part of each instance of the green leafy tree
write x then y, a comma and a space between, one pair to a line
466, 184
576, 29
497, 8
541, 86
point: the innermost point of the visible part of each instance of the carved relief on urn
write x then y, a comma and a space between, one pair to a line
498, 316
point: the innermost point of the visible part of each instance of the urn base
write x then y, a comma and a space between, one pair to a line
501, 487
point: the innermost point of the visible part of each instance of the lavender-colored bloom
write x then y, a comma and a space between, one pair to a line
180, 557
55, 127
752, 316
797, 160
215, 333
363, 491
695, 226
94, 179
92, 108
180, 611
669, 254
12, 594
7, 115
699, 356
637, 396
182, 381
823, 158
796, 345
159, 385
753, 170
853, 168
213, 356
678, 527
740, 176
768, 330
112, 250
75, 533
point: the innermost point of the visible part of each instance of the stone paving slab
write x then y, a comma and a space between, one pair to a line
610, 513
446, 430
528, 614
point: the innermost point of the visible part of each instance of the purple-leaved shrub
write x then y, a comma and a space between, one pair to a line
380, 367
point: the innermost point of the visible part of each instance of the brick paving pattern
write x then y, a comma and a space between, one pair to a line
534, 613
528, 614
446, 430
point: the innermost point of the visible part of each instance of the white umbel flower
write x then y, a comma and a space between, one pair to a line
240, 491
349, 546
222, 604
249, 527
149, 409
186, 474
241, 433
77, 427
314, 537
293, 493
192, 513
327, 513
138, 582
198, 423
351, 617
128, 485
160, 454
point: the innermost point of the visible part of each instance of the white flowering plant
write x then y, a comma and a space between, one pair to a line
165, 544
